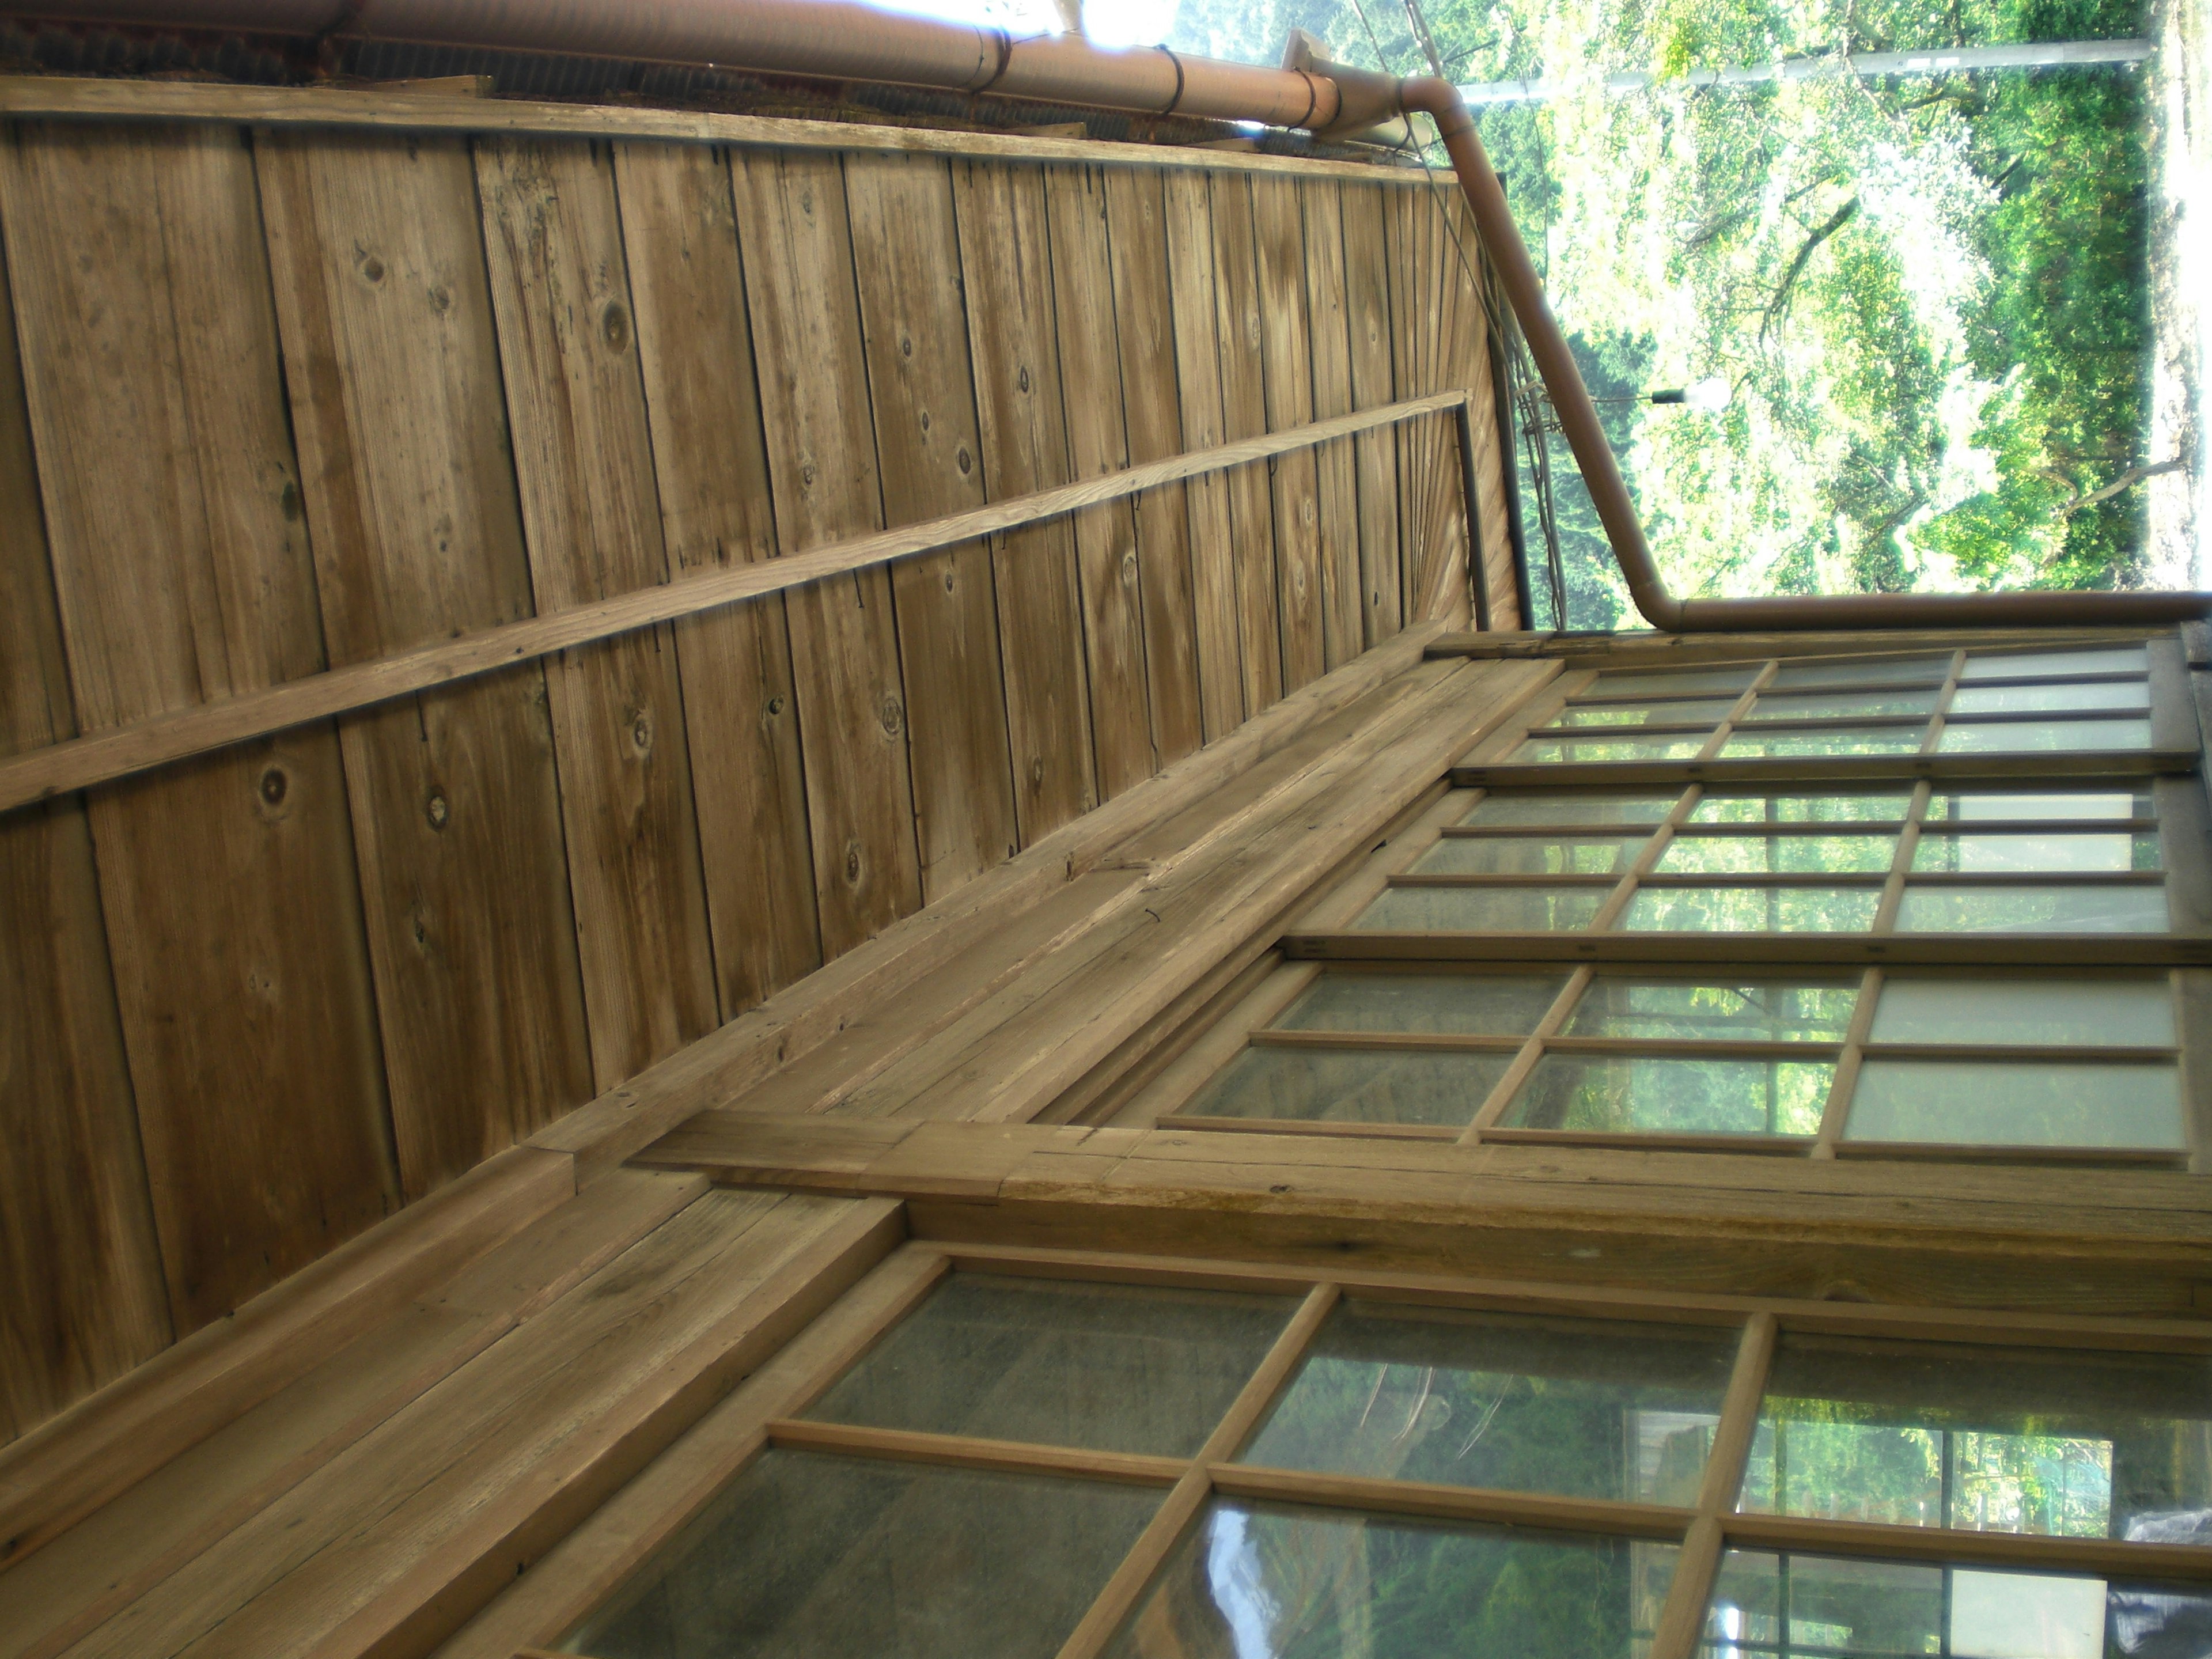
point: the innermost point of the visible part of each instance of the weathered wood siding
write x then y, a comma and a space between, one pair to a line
274, 400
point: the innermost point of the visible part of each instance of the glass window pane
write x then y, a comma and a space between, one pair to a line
1529, 855
1672, 681
1684, 1009
1573, 808
1745, 742
1120, 1367
1622, 1094
1484, 909
2125, 908
2079, 1444
2032, 665
1506, 1401
1350, 1085
1264, 1581
2026, 737
1863, 670
1841, 705
2035, 852
805, 1556
1473, 1005
1569, 750
1801, 809
1752, 910
1688, 712
2108, 1012
1849, 1608
1969, 806
1832, 855
1960, 1102
2019, 699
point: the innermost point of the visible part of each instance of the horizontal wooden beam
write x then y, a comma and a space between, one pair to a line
1735, 951
1814, 772
394, 110
104, 756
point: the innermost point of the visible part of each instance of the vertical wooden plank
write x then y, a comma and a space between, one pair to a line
906, 264
1328, 312
82, 1297
240, 970
822, 460
710, 463
1189, 206
1043, 594
1375, 454
1097, 441
590, 517
1448, 583
1144, 336
1409, 223
1286, 363
1242, 336
376, 245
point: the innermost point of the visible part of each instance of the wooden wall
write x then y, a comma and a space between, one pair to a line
276, 399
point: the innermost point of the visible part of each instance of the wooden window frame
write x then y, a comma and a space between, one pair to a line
770, 1412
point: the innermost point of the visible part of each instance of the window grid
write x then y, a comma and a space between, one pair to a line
1703, 1532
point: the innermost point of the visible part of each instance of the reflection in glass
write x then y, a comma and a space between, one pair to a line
1699, 712
1801, 809
1655, 1095
1266, 1581
1488, 909
2108, 1012
1752, 910
2061, 698
1846, 705
2129, 907
2035, 853
1568, 751
1679, 1009
2024, 737
2074, 1445
1506, 1402
805, 1556
1864, 671
1119, 1367
1747, 742
1350, 1085
1529, 855
1961, 1103
1797, 1607
1975, 805
1476, 1005
1573, 808
2036, 665
1827, 855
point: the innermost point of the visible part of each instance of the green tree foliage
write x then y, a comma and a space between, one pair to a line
1928, 295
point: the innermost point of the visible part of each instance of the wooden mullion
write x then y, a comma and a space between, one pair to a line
1346, 899
1412, 1042
962, 1451
1118, 1598
2103, 1557
2040, 826
1506, 879
1684, 1615
2100, 1054
1944, 698
1694, 878
2035, 877
1828, 722
1653, 729
1900, 860
929, 1266
1840, 773
1837, 1105
1744, 703
1300, 1125
1221, 1042
1609, 913
2110, 676
1746, 950
1998, 1327
1436, 1501
2040, 716
1494, 1104
1755, 1144
1696, 1047
1941, 1152
1806, 829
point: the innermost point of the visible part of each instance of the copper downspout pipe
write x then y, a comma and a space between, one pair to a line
839, 41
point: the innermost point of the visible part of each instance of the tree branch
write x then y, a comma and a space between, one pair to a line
1779, 304
2133, 476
